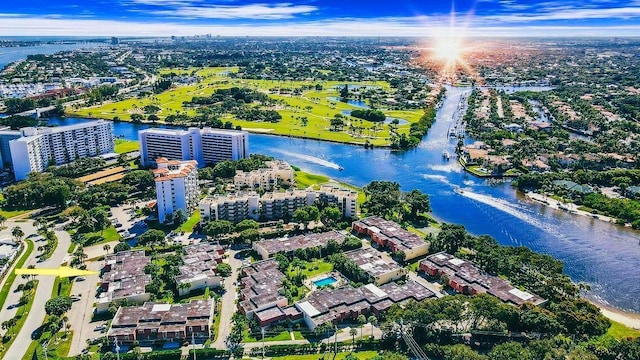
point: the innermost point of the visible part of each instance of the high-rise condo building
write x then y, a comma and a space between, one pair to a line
206, 146
38, 148
176, 187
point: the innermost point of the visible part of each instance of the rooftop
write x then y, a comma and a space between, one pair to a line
261, 285
331, 304
288, 244
465, 273
163, 317
372, 261
123, 273
200, 260
391, 232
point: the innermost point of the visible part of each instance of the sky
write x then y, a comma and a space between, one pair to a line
319, 17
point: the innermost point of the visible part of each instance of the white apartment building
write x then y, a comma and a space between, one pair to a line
40, 147
176, 187
206, 146
345, 199
234, 207
275, 205
277, 171
282, 205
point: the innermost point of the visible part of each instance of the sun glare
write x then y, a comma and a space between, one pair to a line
447, 49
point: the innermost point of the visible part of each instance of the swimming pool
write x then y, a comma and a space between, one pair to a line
325, 282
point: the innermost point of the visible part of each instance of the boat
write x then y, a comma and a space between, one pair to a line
340, 168
446, 155
452, 132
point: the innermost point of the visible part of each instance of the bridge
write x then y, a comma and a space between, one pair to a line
37, 112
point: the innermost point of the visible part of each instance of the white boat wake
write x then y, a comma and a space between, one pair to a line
310, 158
501, 205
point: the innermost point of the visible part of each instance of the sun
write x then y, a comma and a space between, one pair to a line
448, 50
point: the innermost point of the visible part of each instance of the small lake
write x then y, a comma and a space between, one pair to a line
388, 120
356, 103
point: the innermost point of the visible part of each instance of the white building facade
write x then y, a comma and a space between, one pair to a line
40, 147
206, 146
176, 187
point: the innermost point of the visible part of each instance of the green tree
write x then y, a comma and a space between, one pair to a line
383, 198
217, 228
373, 320
121, 246
223, 270
151, 236
417, 203
179, 217
247, 224
361, 321
2, 219
17, 233
248, 236
58, 305
510, 351
330, 216
353, 332
463, 352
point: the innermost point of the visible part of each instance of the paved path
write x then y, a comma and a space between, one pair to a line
14, 297
82, 311
228, 303
343, 335
43, 293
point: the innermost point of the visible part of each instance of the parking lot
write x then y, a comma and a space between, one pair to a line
126, 222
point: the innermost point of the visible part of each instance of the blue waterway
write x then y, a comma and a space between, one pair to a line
603, 255
11, 54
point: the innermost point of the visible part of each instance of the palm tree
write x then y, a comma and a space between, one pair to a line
2, 220
65, 321
361, 320
106, 248
353, 333
373, 320
17, 233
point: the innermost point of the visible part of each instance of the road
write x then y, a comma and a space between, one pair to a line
14, 297
228, 302
43, 293
82, 311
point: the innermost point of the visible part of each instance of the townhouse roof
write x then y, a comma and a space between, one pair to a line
305, 241
466, 273
372, 261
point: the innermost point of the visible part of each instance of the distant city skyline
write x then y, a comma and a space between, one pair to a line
319, 17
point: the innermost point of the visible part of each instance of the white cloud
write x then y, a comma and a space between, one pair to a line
418, 26
250, 11
569, 13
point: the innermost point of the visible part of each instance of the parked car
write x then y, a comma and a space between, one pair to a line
101, 327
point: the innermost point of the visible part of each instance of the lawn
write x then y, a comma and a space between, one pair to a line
362, 355
620, 331
318, 107
12, 276
191, 222
107, 235
11, 213
126, 146
314, 268
304, 180
282, 336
